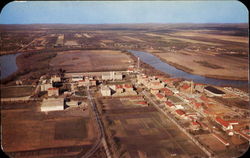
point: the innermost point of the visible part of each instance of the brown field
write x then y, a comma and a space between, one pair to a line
91, 60
10, 92
222, 67
135, 131
26, 129
212, 36
213, 143
70, 43
212, 50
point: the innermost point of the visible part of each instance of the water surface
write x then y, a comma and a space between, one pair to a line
174, 72
8, 65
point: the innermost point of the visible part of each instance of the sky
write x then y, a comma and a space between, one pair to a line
103, 12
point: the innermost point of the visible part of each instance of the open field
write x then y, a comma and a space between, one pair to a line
212, 50
91, 60
209, 65
144, 131
27, 131
12, 92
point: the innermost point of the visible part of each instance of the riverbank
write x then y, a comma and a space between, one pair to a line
191, 71
174, 72
148, 70
30, 67
206, 63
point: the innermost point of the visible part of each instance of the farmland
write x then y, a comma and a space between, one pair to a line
180, 45
8, 92
27, 130
139, 130
101, 90
91, 60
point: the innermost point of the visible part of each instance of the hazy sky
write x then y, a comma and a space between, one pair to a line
124, 12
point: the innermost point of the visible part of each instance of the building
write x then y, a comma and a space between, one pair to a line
119, 89
226, 125
76, 78
105, 91
167, 91
156, 85
180, 113
73, 87
154, 91
72, 103
112, 76
143, 103
46, 86
195, 125
92, 82
52, 104
185, 88
60, 40
160, 97
55, 79
83, 83
128, 87
199, 87
212, 91
169, 104
53, 92
197, 105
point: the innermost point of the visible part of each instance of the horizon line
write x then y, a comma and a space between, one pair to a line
126, 23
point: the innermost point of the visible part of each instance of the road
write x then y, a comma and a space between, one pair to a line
101, 138
209, 153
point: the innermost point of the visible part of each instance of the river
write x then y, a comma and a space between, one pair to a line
8, 65
174, 72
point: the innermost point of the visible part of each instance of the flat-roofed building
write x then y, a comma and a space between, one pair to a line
53, 92
46, 86
212, 91
55, 79
154, 91
76, 78
128, 87
105, 91
112, 76
72, 103
52, 104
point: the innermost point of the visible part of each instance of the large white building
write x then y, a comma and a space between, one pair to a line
52, 104
55, 79
105, 91
46, 86
112, 76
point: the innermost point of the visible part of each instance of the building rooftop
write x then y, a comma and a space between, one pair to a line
128, 86
141, 102
180, 112
214, 90
159, 95
185, 86
118, 86
52, 88
170, 104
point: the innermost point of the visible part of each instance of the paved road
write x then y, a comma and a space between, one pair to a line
101, 137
